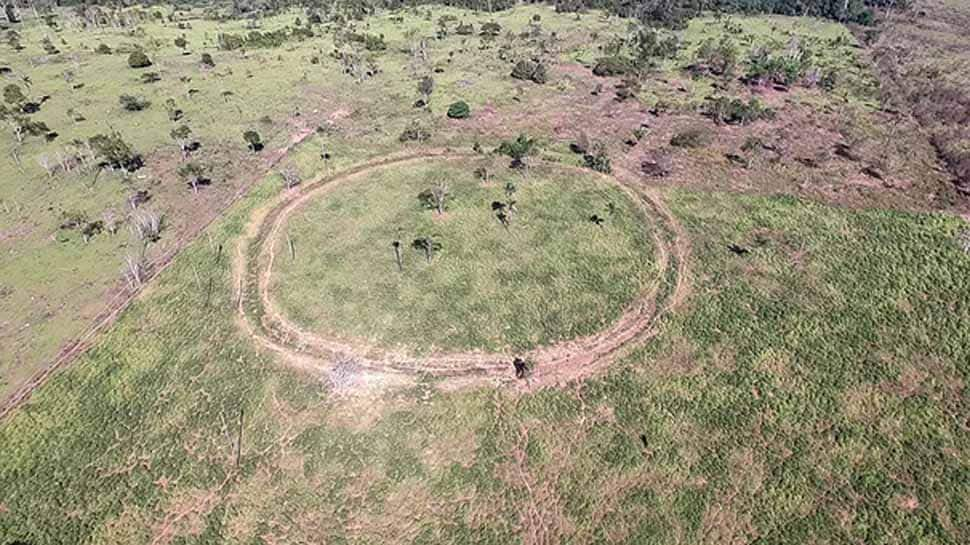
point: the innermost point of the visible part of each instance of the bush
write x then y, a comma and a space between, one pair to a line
533, 71
616, 65
415, 133
133, 103
719, 57
459, 110
690, 138
12, 94
517, 149
138, 59
734, 111
115, 152
465, 29
207, 61
599, 160
102, 49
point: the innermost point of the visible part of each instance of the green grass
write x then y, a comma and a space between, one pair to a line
551, 275
810, 389
813, 389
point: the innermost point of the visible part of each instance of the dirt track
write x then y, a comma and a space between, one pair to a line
555, 364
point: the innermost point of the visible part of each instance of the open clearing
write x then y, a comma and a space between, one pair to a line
741, 286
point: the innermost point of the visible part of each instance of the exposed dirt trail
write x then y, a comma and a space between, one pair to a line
555, 364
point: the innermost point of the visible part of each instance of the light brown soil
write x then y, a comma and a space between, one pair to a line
553, 365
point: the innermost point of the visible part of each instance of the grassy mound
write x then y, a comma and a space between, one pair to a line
499, 276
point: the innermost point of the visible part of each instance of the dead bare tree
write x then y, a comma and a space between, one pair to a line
291, 178
135, 269
146, 226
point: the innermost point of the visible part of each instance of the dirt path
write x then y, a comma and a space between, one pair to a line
555, 364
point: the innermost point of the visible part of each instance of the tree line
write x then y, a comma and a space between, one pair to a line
668, 13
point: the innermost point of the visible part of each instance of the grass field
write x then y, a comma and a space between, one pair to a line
281, 93
791, 401
551, 275
810, 387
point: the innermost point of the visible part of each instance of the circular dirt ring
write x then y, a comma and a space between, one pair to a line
562, 361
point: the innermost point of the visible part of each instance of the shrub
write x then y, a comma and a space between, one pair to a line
784, 68
651, 47
207, 61
734, 111
465, 29
12, 94
133, 103
151, 77
691, 138
598, 160
115, 152
720, 57
181, 42
615, 65
459, 110
534, 71
517, 149
414, 132
102, 49
253, 141
138, 59
491, 29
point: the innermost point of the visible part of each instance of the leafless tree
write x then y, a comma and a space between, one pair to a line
135, 269
146, 226
291, 178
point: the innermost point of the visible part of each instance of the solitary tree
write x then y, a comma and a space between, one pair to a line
398, 257
12, 94
181, 135
435, 197
425, 88
253, 140
427, 245
195, 175
138, 59
291, 178
518, 149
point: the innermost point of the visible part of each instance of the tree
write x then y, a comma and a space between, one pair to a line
133, 103
428, 245
115, 152
174, 114
195, 175
425, 88
253, 140
10, 11
138, 59
181, 135
459, 110
12, 94
534, 71
490, 29
598, 160
291, 178
398, 257
435, 197
517, 149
